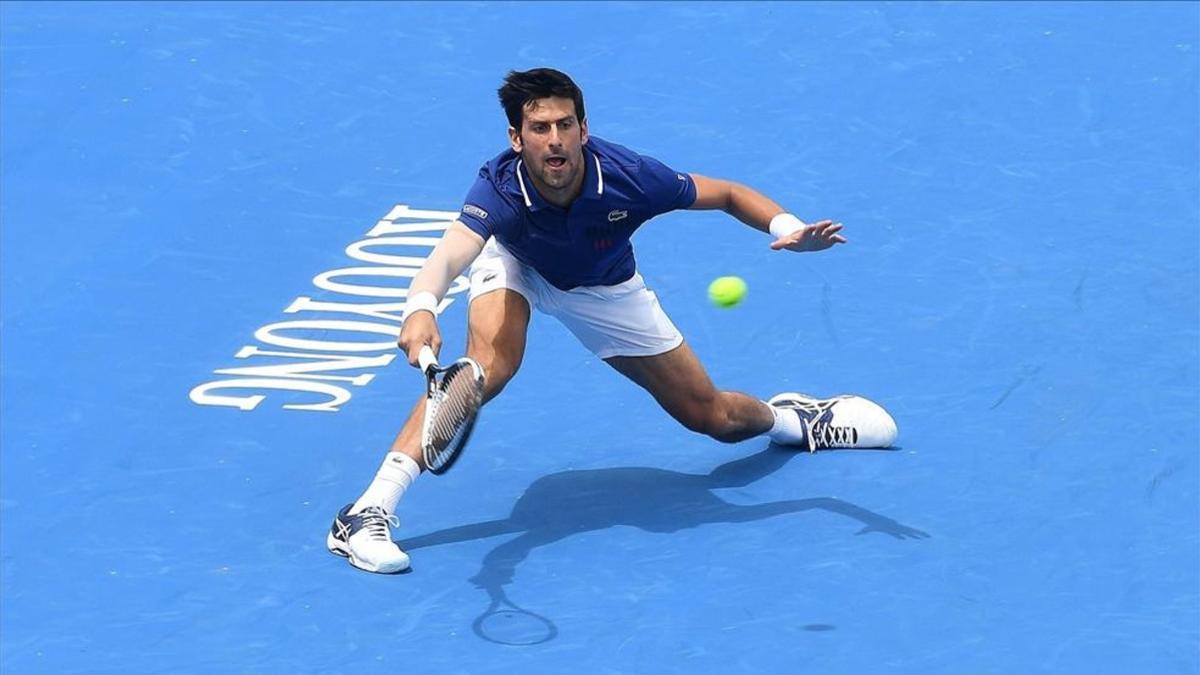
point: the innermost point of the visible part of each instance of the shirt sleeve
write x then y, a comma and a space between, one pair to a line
666, 189
484, 207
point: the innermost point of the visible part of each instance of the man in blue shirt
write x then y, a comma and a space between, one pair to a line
547, 226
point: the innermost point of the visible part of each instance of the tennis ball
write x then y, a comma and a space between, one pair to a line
727, 291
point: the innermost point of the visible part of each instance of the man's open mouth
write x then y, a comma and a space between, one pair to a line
556, 162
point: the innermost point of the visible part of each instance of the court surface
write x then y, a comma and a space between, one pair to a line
1019, 187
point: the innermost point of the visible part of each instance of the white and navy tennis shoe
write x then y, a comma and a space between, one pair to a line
366, 539
839, 422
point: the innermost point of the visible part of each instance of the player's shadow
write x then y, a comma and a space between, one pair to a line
655, 500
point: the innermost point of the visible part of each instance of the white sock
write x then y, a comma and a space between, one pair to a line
394, 477
787, 429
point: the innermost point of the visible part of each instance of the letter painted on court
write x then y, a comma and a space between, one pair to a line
342, 337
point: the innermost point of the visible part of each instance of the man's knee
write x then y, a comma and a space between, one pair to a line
496, 378
498, 370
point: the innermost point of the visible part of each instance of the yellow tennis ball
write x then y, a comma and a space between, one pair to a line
727, 291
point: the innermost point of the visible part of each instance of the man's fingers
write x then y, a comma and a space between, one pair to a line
414, 351
826, 228
812, 237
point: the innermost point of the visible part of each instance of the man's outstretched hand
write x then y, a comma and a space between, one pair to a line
815, 237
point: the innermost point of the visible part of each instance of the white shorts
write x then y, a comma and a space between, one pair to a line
620, 320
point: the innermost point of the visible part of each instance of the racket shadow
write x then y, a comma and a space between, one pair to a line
563, 504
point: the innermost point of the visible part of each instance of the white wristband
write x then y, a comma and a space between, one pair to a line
784, 224
423, 301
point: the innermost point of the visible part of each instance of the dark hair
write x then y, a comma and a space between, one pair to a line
521, 88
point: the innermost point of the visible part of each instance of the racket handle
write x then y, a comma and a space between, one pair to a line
426, 358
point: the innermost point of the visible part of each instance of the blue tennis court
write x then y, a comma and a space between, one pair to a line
199, 199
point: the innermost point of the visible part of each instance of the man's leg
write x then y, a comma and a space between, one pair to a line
678, 382
627, 319
497, 322
681, 386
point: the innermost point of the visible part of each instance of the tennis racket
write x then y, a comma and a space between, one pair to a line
454, 396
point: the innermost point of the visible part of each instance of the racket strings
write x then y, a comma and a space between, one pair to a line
456, 401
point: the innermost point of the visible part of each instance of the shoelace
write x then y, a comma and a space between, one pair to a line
821, 434
375, 521
829, 436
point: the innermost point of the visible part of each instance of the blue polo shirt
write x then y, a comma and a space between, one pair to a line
588, 243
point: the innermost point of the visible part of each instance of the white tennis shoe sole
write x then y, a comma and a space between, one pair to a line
369, 555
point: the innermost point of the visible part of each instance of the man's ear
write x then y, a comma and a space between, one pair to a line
583, 132
514, 139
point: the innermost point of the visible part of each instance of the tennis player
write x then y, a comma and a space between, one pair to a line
547, 226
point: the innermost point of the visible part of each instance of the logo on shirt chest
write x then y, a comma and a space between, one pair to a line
617, 214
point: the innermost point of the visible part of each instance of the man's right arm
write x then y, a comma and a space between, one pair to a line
458, 247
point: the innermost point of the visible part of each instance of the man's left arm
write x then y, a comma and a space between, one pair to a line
760, 212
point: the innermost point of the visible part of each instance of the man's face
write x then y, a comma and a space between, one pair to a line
551, 142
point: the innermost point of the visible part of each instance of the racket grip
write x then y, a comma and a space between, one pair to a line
426, 358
